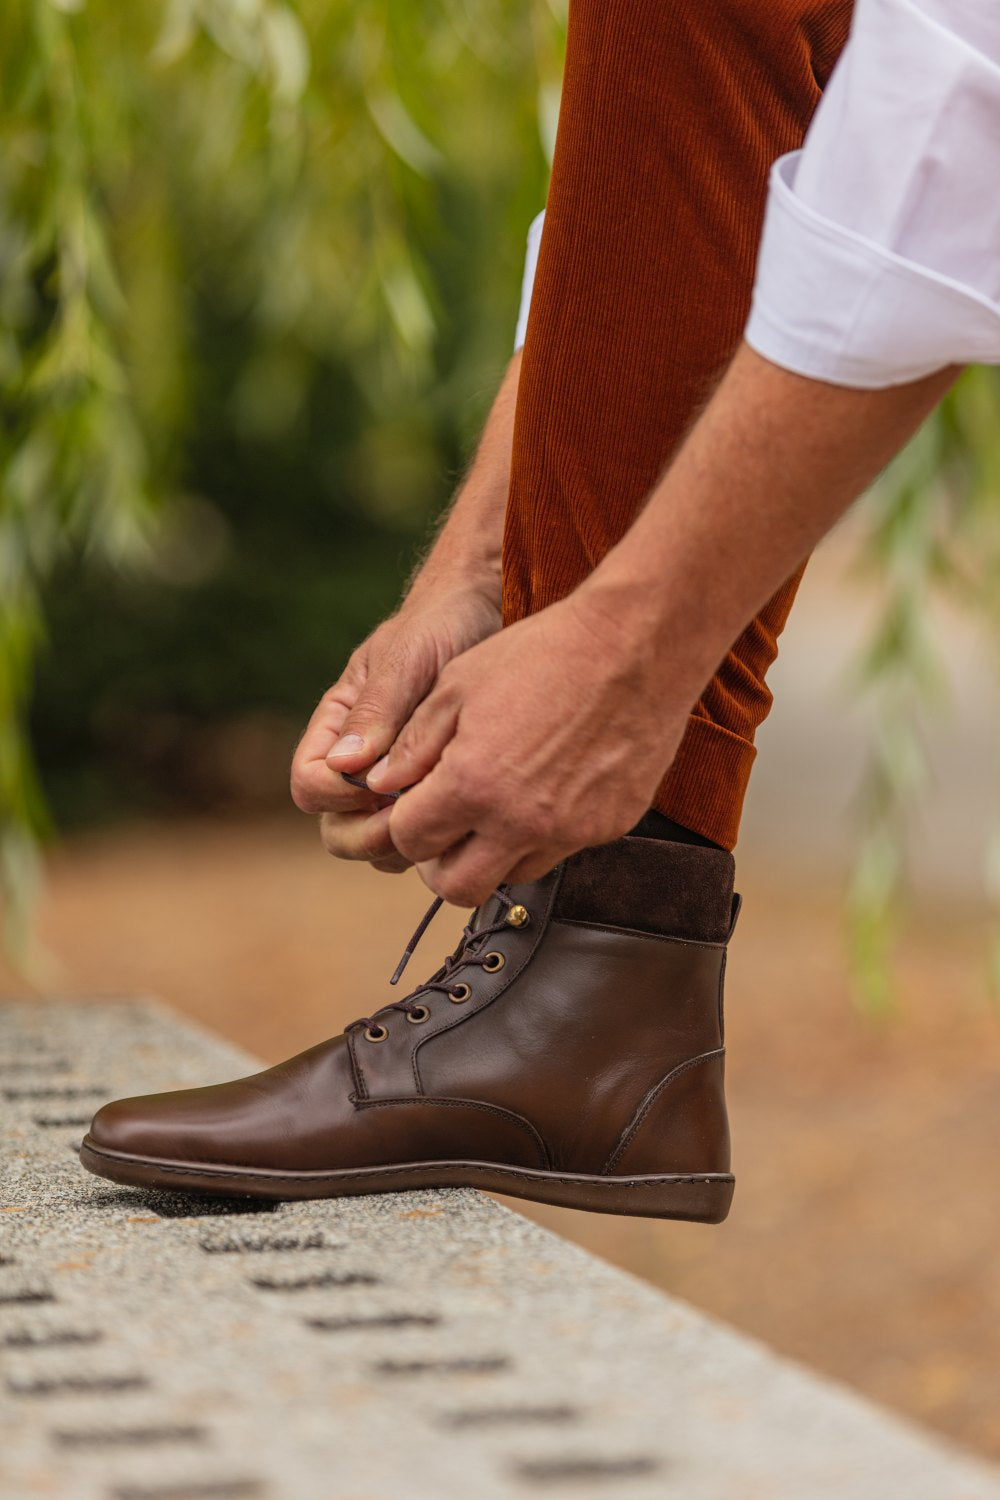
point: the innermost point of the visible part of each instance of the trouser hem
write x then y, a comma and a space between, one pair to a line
705, 787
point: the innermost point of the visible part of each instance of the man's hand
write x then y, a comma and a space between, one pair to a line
552, 735
360, 716
453, 603
555, 733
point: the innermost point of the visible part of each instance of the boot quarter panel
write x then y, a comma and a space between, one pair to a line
586, 990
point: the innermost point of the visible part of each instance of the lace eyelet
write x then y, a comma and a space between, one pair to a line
518, 916
376, 1034
459, 994
493, 962
418, 1015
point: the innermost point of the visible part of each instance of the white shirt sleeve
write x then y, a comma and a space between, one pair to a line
528, 281
880, 256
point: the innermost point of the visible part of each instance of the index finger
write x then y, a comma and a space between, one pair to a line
432, 817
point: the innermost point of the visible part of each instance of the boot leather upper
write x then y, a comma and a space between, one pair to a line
596, 1047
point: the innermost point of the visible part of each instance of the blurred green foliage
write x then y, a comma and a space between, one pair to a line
933, 535
259, 267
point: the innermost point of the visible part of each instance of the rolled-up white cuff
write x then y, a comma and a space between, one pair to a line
833, 305
528, 281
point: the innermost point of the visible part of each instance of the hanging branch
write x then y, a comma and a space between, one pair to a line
934, 534
307, 170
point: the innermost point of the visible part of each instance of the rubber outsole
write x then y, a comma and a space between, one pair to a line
703, 1199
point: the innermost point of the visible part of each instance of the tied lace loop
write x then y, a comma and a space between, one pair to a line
469, 950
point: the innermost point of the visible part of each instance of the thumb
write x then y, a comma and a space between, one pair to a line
370, 728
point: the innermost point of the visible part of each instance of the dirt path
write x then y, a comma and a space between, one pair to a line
864, 1234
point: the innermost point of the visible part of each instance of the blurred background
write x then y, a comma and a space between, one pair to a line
259, 271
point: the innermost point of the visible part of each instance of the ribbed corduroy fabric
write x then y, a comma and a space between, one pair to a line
672, 113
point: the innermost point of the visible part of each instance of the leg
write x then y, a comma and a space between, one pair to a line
671, 118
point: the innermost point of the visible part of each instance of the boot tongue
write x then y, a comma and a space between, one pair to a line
485, 914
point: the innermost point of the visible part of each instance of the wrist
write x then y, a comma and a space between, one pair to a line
652, 627
453, 577
465, 557
460, 582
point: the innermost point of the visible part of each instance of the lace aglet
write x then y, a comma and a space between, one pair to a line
415, 939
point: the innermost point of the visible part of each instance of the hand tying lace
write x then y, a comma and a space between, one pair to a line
468, 952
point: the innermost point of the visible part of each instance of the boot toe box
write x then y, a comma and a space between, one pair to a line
281, 1118
173, 1126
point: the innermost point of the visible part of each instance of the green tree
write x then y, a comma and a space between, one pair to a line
306, 221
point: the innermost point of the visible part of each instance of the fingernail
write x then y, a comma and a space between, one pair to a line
348, 744
378, 770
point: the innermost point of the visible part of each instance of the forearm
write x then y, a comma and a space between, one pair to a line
466, 551
769, 467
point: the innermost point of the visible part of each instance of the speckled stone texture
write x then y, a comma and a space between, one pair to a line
402, 1347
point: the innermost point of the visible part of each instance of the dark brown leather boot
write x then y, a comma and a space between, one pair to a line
569, 1050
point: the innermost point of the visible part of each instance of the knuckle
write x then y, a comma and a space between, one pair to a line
355, 721
465, 785
546, 818
406, 844
449, 681
315, 790
520, 820
329, 835
336, 836
406, 745
374, 843
405, 741
530, 825
373, 702
352, 677
303, 792
453, 888
462, 887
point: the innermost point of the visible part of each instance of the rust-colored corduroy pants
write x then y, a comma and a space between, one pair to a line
672, 113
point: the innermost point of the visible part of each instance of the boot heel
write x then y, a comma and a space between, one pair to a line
702, 1200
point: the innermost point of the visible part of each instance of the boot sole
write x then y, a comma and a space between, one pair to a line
704, 1199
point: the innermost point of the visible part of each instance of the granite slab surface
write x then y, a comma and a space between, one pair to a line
416, 1346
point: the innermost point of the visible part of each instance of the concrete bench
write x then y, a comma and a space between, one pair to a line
428, 1344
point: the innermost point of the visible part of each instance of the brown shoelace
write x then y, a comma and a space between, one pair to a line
468, 952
